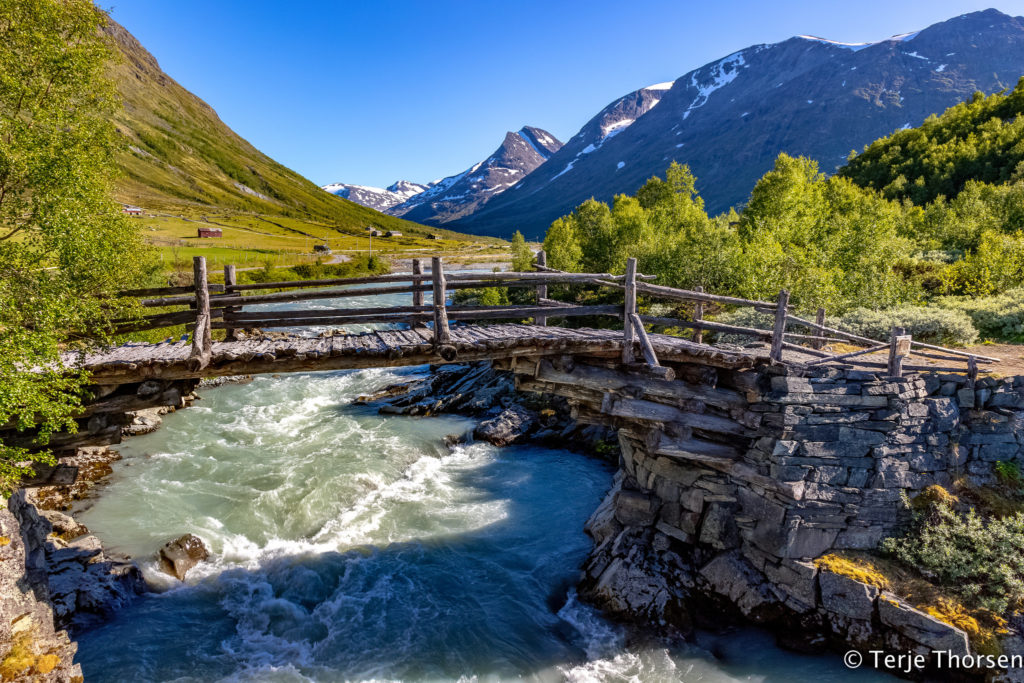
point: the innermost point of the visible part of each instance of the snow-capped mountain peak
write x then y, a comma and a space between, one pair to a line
378, 198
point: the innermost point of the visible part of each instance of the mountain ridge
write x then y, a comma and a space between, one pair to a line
730, 119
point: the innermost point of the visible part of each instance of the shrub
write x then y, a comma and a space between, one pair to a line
742, 317
929, 324
997, 317
981, 561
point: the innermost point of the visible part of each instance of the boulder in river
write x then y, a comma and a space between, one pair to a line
181, 554
507, 427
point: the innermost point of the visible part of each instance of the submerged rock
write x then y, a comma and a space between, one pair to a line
180, 555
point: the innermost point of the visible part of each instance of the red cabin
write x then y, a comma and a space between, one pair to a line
210, 232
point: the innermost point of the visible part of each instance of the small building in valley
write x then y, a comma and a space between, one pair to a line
375, 233
210, 232
392, 233
321, 249
132, 210
433, 237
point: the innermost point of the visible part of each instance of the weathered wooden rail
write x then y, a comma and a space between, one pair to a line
224, 306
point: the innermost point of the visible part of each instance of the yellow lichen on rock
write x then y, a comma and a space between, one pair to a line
984, 633
5, 540
933, 495
854, 568
47, 663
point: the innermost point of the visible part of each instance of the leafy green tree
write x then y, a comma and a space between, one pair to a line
63, 241
563, 246
522, 257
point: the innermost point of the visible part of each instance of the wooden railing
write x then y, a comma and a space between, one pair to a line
216, 306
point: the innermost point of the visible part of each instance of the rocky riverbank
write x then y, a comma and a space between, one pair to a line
56, 577
506, 416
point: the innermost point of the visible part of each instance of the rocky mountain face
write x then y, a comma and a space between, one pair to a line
462, 194
444, 200
730, 119
378, 198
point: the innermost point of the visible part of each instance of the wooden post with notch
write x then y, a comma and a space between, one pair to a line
972, 371
698, 316
230, 280
202, 342
417, 295
819, 320
899, 348
542, 290
628, 331
442, 335
779, 331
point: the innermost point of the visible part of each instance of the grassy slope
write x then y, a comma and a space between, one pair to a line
185, 167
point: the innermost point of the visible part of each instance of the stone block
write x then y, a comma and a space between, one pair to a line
794, 578
818, 449
718, 528
733, 577
633, 508
847, 597
803, 542
922, 628
862, 537
861, 437
965, 397
837, 476
999, 451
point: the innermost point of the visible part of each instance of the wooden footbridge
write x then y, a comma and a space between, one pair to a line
439, 332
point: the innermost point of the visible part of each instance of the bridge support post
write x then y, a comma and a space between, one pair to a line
698, 316
442, 335
899, 348
417, 295
779, 331
542, 290
230, 280
202, 341
629, 333
819, 320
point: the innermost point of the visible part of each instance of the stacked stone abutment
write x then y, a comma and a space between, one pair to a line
733, 480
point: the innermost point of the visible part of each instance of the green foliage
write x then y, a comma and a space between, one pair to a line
63, 241
997, 264
522, 257
929, 324
981, 561
1008, 474
980, 140
1000, 316
827, 241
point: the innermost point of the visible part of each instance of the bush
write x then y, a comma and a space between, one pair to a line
996, 317
929, 324
982, 562
742, 317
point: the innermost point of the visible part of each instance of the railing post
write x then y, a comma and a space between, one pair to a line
202, 342
819, 320
698, 315
442, 335
417, 294
629, 334
230, 280
779, 331
899, 348
542, 290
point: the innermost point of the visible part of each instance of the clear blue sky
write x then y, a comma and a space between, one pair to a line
375, 91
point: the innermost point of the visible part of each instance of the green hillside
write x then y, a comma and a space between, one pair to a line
981, 140
184, 166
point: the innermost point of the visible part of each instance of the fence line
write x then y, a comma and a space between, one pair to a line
215, 306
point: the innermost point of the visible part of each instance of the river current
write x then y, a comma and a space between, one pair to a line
347, 545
